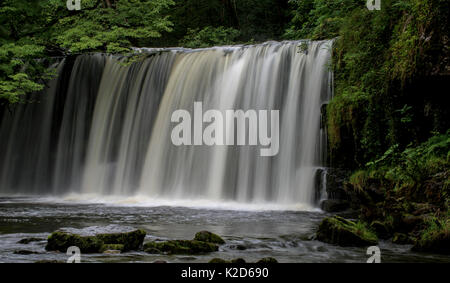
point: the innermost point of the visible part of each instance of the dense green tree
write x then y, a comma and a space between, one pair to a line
33, 30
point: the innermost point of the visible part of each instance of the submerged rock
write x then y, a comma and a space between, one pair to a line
25, 252
267, 260
180, 247
26, 241
61, 241
205, 236
339, 231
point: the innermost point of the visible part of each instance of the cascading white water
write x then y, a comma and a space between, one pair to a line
105, 128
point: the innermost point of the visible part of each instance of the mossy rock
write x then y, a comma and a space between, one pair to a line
131, 241
434, 242
180, 247
61, 241
267, 260
339, 231
205, 236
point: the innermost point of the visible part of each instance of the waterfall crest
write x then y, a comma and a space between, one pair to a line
104, 128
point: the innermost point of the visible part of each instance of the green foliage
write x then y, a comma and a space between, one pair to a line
30, 32
376, 56
318, 19
113, 29
421, 173
209, 36
435, 238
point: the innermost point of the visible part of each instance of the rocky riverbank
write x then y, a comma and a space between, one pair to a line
375, 209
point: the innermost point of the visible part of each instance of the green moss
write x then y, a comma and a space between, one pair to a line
61, 241
343, 232
205, 236
131, 240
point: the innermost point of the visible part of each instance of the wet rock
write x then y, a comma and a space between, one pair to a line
159, 261
25, 252
335, 181
402, 239
180, 247
339, 231
205, 236
267, 260
238, 247
131, 241
61, 241
334, 205
26, 241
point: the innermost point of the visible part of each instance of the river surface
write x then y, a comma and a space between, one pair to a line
250, 232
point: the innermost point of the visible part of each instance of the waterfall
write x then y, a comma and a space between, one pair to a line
104, 127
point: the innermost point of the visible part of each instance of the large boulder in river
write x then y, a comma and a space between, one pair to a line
62, 240
339, 231
205, 236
